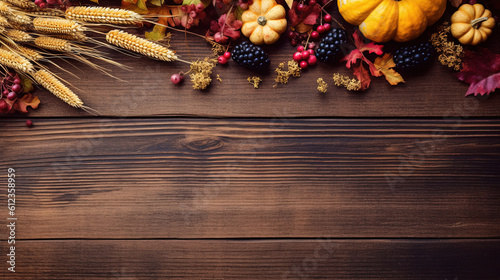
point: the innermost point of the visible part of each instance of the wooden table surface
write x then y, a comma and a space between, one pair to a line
241, 183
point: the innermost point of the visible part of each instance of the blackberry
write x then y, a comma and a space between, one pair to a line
250, 56
413, 58
330, 45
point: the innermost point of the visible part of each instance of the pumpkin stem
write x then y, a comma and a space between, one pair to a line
477, 22
262, 20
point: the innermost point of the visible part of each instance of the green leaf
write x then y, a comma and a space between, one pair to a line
196, 2
157, 34
156, 2
141, 4
238, 12
26, 83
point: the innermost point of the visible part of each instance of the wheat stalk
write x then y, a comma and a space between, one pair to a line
24, 4
77, 36
18, 36
56, 87
57, 26
4, 22
140, 45
103, 15
5, 8
20, 19
15, 61
53, 44
28, 53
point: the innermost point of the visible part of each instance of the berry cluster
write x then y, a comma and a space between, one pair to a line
413, 58
193, 13
251, 56
295, 36
330, 45
304, 57
58, 4
223, 59
11, 89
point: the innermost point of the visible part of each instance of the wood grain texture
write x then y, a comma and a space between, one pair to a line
149, 92
209, 178
247, 259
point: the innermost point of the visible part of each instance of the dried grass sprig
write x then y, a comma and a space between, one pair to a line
345, 81
322, 85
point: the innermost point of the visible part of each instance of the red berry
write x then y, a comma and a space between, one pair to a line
311, 45
42, 5
176, 79
297, 56
3, 105
311, 51
327, 18
303, 64
320, 29
29, 123
193, 14
12, 96
16, 88
17, 81
51, 2
305, 55
315, 35
327, 26
227, 55
300, 48
312, 2
312, 60
291, 34
293, 42
222, 60
5, 92
301, 7
200, 7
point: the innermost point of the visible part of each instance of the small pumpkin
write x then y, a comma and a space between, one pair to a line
472, 24
398, 20
264, 22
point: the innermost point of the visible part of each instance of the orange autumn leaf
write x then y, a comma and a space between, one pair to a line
385, 65
28, 100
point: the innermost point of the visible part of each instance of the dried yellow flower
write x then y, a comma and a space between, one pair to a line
202, 71
218, 78
217, 48
322, 85
255, 81
292, 70
450, 53
348, 83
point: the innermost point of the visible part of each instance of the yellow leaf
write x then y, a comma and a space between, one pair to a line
157, 34
95, 1
289, 3
385, 64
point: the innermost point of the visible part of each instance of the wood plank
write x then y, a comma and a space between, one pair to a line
149, 92
271, 259
210, 178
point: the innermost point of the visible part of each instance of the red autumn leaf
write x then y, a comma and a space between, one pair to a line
303, 21
226, 27
356, 58
481, 70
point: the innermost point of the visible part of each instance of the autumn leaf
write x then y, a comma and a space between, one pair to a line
95, 1
22, 104
481, 70
356, 58
157, 34
385, 65
303, 21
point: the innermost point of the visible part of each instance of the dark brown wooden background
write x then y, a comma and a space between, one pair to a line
237, 183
